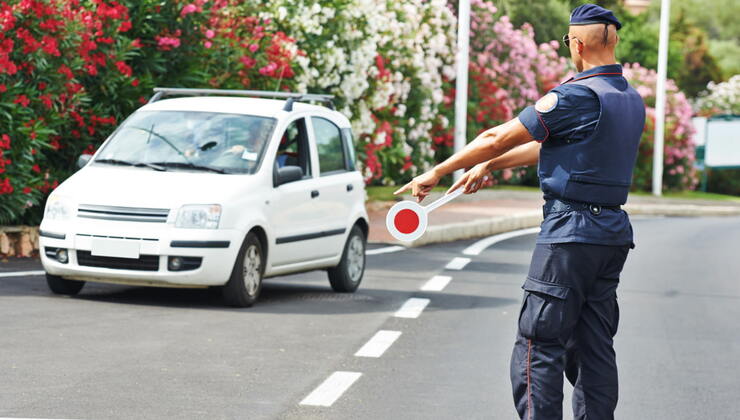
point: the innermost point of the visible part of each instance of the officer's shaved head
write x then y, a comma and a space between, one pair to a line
596, 35
592, 43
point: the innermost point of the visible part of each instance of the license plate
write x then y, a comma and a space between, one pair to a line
119, 248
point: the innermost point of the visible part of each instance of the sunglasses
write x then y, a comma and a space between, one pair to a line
567, 38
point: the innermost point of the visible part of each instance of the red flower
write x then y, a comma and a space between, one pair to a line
42, 86
3, 89
63, 69
22, 100
50, 46
33, 136
135, 82
125, 26
5, 142
36, 169
136, 43
46, 100
27, 190
5, 187
124, 68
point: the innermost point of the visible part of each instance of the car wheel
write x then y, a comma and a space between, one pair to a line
62, 286
245, 283
346, 277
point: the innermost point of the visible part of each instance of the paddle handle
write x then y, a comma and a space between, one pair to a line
444, 199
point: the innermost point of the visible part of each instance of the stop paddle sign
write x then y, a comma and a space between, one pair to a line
407, 220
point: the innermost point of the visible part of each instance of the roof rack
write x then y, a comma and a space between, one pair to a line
290, 97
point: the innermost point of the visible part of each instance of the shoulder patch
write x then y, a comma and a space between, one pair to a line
547, 103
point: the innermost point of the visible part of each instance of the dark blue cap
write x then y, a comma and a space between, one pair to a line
588, 14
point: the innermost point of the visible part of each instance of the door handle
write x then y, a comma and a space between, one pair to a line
350, 187
314, 193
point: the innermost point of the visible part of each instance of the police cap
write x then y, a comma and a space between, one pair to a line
588, 14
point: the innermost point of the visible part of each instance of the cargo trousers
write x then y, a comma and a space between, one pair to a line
567, 323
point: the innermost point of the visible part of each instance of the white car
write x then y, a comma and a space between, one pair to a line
212, 189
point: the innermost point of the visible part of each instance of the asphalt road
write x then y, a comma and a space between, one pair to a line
125, 352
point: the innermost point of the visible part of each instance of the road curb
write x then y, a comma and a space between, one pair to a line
494, 225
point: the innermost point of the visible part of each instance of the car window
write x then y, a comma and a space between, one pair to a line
221, 142
349, 145
293, 149
330, 147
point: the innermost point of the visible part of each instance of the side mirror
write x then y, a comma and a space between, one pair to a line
288, 174
83, 160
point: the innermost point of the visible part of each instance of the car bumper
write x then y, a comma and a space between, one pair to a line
217, 250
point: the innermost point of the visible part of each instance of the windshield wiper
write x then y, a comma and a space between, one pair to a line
189, 165
136, 164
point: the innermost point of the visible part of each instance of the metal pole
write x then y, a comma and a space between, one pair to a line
461, 82
665, 9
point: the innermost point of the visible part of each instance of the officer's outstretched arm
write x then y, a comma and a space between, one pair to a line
473, 180
490, 144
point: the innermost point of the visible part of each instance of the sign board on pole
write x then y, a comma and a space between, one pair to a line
722, 143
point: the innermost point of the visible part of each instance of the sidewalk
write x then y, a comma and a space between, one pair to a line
492, 211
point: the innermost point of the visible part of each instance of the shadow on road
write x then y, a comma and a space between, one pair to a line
276, 297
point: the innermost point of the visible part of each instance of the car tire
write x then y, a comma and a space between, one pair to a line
62, 286
245, 283
347, 276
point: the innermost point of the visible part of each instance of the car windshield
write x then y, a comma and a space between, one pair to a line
184, 140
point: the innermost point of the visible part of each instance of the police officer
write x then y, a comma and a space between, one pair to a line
584, 134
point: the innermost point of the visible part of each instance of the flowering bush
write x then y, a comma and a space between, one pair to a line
47, 50
70, 70
508, 71
387, 62
720, 98
678, 171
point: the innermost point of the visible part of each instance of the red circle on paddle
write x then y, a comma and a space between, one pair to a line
406, 221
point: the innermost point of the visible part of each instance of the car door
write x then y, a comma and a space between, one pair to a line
294, 213
336, 184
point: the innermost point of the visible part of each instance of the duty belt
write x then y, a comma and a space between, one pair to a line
556, 206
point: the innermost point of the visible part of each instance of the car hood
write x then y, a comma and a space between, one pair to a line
143, 187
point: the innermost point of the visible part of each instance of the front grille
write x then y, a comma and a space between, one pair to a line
143, 263
126, 214
87, 235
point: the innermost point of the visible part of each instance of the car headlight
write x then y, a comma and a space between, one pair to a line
199, 216
59, 208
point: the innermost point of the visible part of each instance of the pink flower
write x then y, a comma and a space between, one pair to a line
167, 43
210, 34
208, 44
188, 9
253, 47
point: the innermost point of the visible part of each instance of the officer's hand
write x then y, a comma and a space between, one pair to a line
473, 179
421, 186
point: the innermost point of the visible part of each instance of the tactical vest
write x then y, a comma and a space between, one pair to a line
597, 169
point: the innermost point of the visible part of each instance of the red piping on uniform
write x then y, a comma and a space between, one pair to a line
547, 130
595, 74
529, 382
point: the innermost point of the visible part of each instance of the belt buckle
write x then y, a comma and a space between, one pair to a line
595, 209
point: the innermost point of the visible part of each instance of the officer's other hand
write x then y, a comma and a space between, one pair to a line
421, 186
473, 179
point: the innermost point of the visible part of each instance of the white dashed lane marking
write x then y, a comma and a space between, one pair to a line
385, 250
331, 389
412, 308
436, 283
21, 274
381, 341
457, 263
